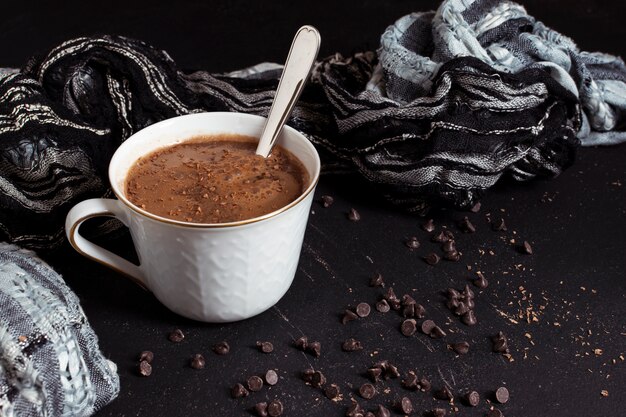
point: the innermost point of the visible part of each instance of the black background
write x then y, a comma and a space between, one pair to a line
576, 223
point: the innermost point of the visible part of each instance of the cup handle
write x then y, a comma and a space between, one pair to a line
97, 207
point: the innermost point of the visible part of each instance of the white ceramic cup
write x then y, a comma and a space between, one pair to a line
208, 272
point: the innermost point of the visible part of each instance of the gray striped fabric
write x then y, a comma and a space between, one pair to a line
50, 363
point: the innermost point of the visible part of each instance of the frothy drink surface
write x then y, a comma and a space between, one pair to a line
215, 179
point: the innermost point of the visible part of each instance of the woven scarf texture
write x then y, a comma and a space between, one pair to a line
50, 363
453, 101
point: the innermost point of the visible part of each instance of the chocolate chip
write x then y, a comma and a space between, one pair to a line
526, 248
327, 201
424, 384
383, 306
391, 371
453, 294
351, 345
502, 395
355, 410
412, 243
466, 225
441, 237
261, 409
197, 361
453, 303
176, 336
395, 304
318, 379
367, 391
429, 226
438, 412
254, 383
472, 398
348, 316
222, 348
315, 348
404, 405
301, 343
374, 373
461, 347
307, 375
449, 246
147, 356
469, 302
377, 281
432, 258
390, 295
461, 308
410, 381
414, 311
332, 391
499, 226
444, 394
265, 347
469, 318
500, 343
407, 300
363, 309
428, 326
481, 282
145, 369
275, 408
437, 333
271, 377
408, 327
453, 256
468, 293
475, 208
354, 215
382, 411
494, 413
239, 391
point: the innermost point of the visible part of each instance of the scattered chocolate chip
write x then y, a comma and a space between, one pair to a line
147, 356
363, 309
444, 394
395, 304
469, 318
383, 306
367, 391
429, 226
461, 308
453, 294
254, 383
475, 208
428, 326
351, 345
500, 343
468, 293
222, 348
404, 405
327, 201
502, 395
453, 256
390, 295
315, 348
441, 237
354, 215
494, 413
408, 327
437, 333
407, 300
348, 316
301, 343
145, 369
355, 410
424, 384
261, 409
197, 361
265, 347
453, 303
469, 302
332, 391
318, 379
526, 248
412, 243
382, 411
499, 226
461, 347
271, 377
374, 373
239, 391
377, 281
414, 311
449, 246
307, 375
438, 412
275, 408
176, 336
466, 225
432, 258
391, 371
472, 398
481, 282
410, 381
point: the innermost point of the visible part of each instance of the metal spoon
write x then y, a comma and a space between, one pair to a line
304, 48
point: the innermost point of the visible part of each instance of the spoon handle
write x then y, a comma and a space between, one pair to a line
304, 48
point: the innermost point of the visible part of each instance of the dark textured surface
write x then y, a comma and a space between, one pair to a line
577, 233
